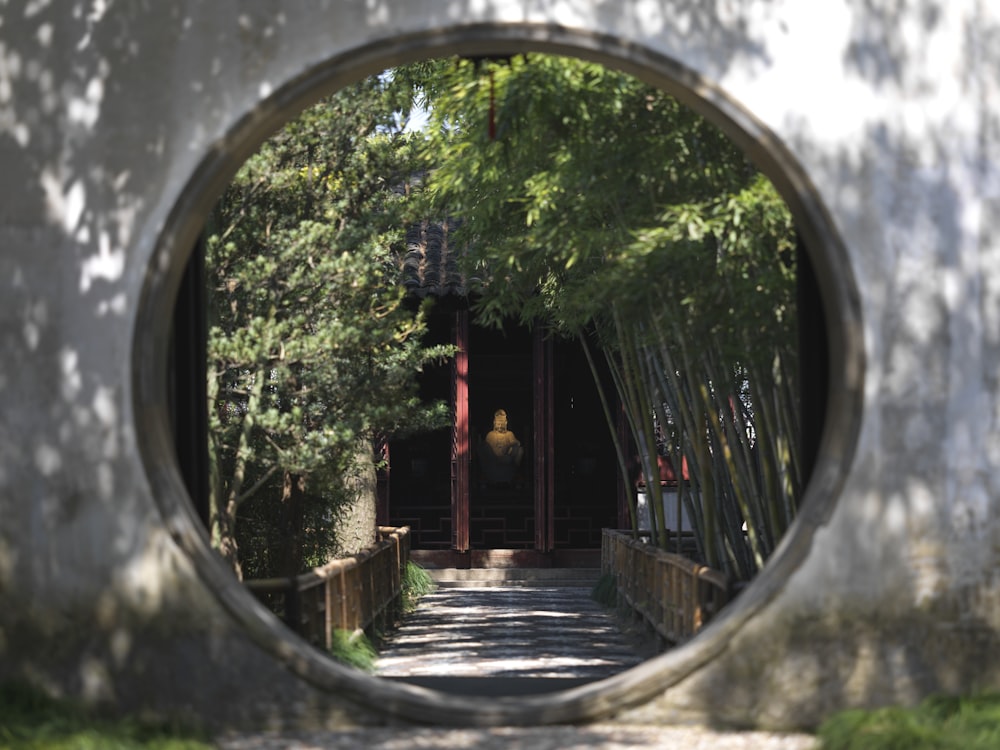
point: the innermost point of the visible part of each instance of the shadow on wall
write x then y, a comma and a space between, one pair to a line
848, 658
79, 179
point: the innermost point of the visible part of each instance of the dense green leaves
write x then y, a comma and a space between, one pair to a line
591, 172
311, 349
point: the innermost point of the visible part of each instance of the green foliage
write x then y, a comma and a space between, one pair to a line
608, 212
590, 173
939, 723
605, 591
354, 649
30, 720
312, 352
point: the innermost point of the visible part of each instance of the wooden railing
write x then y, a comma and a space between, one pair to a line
350, 593
675, 595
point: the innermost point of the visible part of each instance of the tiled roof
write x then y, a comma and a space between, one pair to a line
430, 266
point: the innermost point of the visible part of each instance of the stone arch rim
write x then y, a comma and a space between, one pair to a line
217, 164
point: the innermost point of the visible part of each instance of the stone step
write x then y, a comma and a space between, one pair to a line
472, 577
493, 686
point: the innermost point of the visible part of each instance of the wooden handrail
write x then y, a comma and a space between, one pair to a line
349, 593
675, 595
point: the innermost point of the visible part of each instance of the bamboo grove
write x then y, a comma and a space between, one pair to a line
600, 207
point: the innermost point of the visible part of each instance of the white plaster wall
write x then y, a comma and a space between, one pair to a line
114, 113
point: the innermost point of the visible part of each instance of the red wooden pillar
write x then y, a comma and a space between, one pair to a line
460, 449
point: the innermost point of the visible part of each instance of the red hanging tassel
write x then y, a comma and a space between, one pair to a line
493, 112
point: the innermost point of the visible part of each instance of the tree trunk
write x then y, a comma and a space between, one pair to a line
225, 501
356, 521
222, 525
288, 557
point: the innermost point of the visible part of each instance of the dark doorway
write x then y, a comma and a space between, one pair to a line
420, 472
586, 474
501, 500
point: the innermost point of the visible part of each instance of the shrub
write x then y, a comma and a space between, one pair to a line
939, 723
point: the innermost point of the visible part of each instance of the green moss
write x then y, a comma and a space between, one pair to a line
30, 720
605, 591
939, 723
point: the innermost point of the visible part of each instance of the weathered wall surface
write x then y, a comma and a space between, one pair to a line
114, 114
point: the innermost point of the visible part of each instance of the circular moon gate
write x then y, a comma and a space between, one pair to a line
644, 683
879, 123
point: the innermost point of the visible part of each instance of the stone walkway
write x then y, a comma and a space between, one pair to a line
509, 632
513, 640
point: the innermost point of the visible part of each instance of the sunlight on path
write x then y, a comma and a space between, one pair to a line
509, 632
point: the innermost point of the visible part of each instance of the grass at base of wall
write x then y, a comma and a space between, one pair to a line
417, 582
356, 649
939, 723
31, 720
